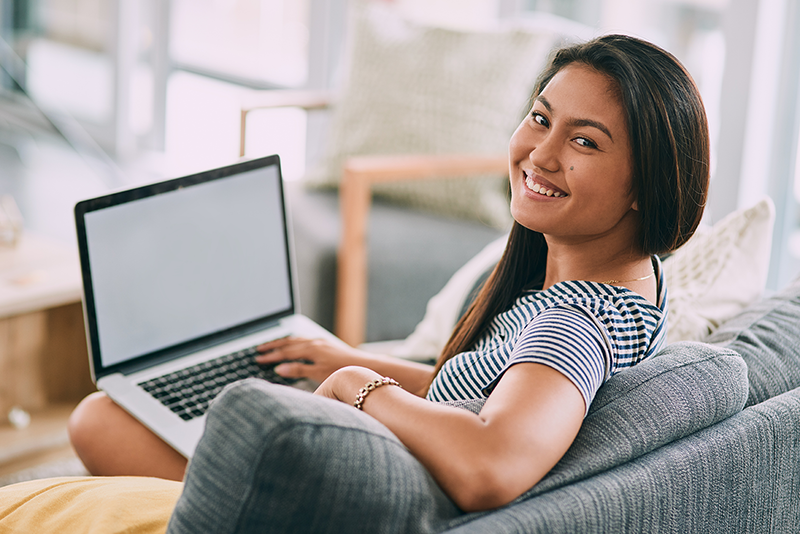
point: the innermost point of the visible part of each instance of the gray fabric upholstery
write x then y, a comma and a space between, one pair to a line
686, 387
665, 448
268, 449
276, 459
738, 476
767, 335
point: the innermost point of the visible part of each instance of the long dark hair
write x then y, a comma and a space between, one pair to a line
668, 132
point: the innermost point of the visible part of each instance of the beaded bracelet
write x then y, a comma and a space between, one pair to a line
369, 386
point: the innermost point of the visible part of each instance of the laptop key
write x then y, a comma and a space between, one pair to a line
188, 392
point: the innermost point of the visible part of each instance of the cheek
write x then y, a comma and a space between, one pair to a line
606, 189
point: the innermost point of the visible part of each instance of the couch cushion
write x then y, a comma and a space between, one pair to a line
738, 476
100, 505
766, 334
688, 386
277, 459
268, 449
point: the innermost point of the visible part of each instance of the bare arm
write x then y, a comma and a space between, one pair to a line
481, 461
317, 359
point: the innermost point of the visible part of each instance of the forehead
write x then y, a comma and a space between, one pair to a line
580, 92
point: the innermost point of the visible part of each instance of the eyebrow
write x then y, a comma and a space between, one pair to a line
578, 122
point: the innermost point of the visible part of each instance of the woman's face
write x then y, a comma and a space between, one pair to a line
570, 161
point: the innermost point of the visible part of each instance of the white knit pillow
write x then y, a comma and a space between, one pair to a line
715, 275
719, 272
415, 89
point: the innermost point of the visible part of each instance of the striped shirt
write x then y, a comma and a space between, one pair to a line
588, 331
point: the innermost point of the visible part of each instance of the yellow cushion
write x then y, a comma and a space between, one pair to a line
89, 505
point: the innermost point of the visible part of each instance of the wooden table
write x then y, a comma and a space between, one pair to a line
43, 354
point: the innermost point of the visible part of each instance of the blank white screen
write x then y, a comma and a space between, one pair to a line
179, 265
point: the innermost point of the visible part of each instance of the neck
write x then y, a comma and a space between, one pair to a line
596, 260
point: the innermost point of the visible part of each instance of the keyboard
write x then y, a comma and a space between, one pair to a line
188, 392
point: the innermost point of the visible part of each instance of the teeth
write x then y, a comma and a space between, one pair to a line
537, 188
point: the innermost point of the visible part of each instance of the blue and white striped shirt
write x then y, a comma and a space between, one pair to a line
588, 331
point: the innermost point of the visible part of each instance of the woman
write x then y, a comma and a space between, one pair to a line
609, 169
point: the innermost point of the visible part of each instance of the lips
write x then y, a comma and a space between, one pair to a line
539, 185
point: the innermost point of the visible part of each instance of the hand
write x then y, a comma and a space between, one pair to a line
344, 384
307, 358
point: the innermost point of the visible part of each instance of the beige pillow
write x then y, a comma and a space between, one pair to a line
415, 89
89, 505
711, 278
719, 272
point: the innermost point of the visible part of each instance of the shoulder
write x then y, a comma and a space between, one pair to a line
597, 300
578, 311
609, 299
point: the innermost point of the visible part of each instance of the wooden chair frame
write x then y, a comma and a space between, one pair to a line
355, 198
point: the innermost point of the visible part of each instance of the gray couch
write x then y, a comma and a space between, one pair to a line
704, 437
412, 254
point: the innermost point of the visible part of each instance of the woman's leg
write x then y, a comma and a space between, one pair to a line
109, 441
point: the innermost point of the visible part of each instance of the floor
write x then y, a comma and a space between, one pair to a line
39, 450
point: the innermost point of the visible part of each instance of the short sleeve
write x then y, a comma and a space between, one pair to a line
568, 339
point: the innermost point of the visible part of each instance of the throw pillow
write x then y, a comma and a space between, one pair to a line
715, 275
688, 386
91, 505
268, 449
719, 272
277, 459
416, 89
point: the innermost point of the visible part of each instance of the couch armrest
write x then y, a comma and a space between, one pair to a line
279, 99
355, 198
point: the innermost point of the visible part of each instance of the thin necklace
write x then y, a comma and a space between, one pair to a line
612, 282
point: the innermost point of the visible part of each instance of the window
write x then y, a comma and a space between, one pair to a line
260, 42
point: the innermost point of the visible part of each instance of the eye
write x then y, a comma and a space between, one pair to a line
584, 142
540, 119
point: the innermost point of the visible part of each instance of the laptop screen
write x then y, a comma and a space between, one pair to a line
178, 262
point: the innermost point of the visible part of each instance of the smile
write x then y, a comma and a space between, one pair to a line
543, 189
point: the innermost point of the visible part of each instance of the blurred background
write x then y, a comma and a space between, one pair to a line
102, 94
98, 95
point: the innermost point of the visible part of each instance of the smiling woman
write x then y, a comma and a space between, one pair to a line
609, 169
577, 120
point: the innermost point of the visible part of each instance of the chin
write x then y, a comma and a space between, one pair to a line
524, 216
527, 222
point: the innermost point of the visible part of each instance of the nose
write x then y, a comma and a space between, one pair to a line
545, 152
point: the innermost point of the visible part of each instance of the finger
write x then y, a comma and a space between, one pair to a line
296, 351
278, 343
274, 351
271, 357
292, 370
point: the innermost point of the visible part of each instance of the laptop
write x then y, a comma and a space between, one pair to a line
182, 279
